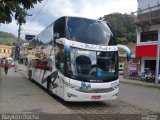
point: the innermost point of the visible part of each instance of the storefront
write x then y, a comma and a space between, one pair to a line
148, 54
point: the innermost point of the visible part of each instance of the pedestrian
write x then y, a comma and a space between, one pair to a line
16, 65
26, 62
6, 67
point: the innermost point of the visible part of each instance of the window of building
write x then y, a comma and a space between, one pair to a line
149, 36
0, 50
150, 64
4, 51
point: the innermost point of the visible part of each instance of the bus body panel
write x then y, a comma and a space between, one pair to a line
88, 96
70, 94
60, 88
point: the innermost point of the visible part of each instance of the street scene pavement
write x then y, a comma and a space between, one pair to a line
18, 95
148, 98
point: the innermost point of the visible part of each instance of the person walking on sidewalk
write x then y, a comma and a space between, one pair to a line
6, 67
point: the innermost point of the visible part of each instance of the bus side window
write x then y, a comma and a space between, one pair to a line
59, 28
59, 59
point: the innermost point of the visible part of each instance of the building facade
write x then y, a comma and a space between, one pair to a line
147, 20
5, 51
124, 64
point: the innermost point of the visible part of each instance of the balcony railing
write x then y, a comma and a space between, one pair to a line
148, 16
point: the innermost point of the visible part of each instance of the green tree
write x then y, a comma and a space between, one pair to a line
15, 8
122, 26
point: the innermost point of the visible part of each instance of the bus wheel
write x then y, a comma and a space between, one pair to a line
49, 86
30, 75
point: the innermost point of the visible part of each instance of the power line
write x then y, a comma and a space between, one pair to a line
30, 30
39, 10
36, 16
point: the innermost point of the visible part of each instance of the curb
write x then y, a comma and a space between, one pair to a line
140, 84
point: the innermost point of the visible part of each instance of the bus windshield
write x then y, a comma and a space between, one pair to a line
89, 31
93, 65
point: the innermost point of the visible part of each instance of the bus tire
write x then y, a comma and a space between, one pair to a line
30, 75
49, 86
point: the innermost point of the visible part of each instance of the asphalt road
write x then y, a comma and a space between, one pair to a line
148, 98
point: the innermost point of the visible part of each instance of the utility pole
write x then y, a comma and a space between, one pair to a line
157, 60
17, 48
19, 33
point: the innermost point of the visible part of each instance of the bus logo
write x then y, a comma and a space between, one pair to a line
85, 85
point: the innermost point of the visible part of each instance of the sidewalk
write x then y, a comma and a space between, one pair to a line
138, 83
21, 96
23, 70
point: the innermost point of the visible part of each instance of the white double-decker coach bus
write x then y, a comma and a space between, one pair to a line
76, 59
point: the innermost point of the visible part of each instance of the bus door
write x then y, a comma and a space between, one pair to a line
60, 66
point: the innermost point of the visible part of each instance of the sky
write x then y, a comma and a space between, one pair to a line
44, 13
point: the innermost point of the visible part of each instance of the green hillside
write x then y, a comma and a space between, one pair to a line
7, 38
123, 27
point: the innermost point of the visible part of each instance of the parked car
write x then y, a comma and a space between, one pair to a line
10, 61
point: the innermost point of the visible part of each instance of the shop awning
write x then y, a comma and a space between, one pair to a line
146, 51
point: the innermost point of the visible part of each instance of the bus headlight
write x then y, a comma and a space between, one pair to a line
71, 95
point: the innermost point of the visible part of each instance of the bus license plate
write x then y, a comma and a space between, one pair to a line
96, 97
